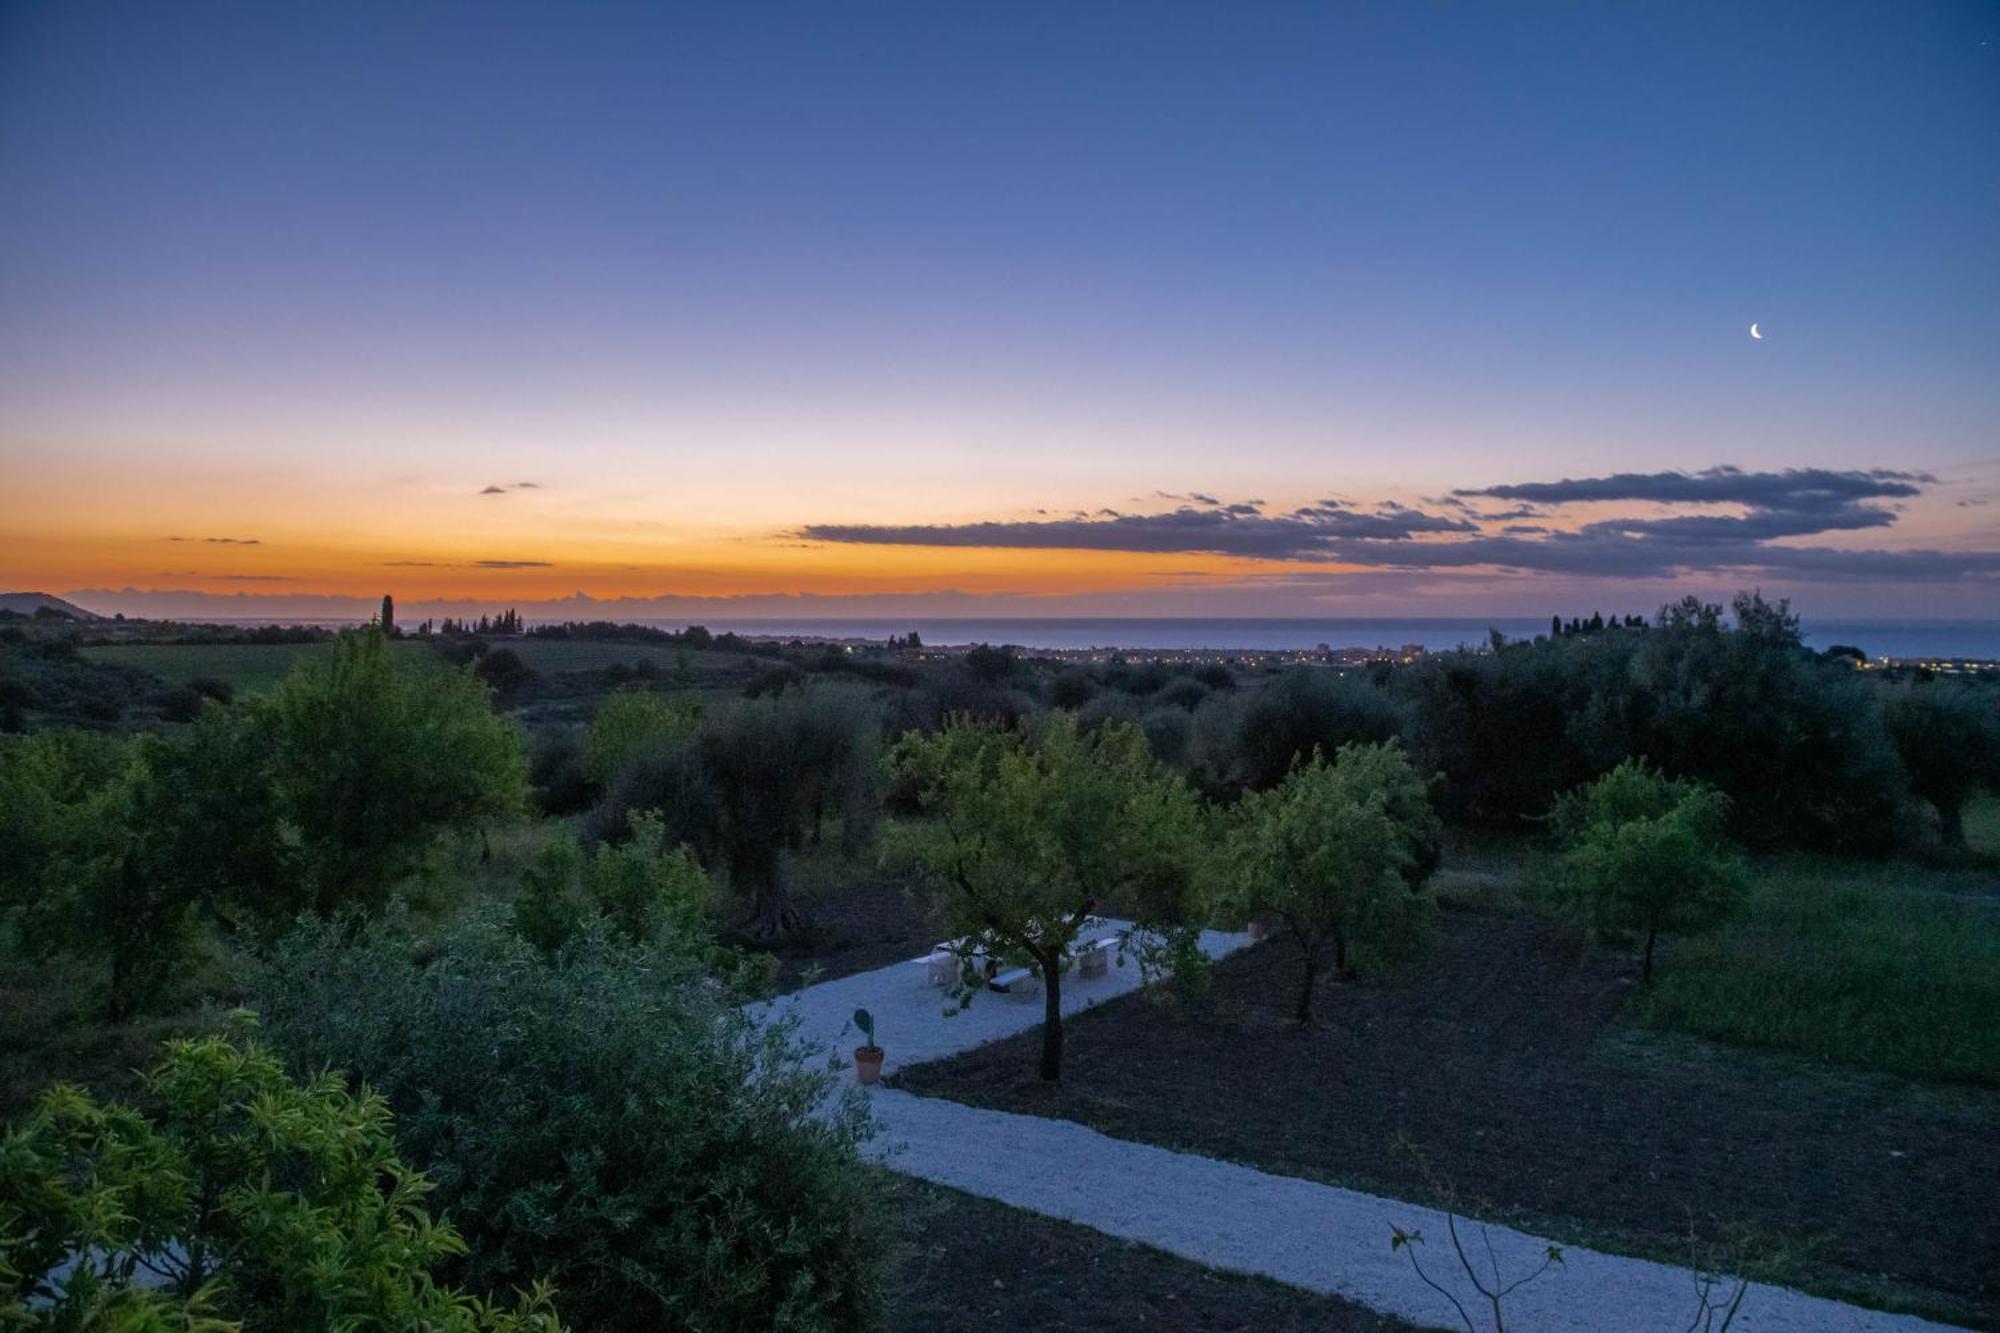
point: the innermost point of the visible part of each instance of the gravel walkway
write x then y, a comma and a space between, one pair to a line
1232, 1217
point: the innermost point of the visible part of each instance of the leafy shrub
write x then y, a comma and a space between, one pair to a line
647, 891
258, 1202
606, 1117
628, 724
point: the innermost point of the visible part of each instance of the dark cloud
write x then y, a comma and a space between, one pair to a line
527, 485
221, 541
1303, 534
1794, 488
494, 490
512, 564
254, 578
1798, 502
409, 564
1793, 504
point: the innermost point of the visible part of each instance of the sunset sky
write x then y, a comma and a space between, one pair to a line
1022, 309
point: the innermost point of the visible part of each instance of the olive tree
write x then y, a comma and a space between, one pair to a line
1949, 738
1337, 852
1030, 832
246, 1201
1647, 854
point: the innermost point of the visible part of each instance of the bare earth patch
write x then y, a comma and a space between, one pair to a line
966, 1262
1502, 1059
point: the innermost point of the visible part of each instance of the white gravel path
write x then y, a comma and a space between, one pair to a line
1233, 1217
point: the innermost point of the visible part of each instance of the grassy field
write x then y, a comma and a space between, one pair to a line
254, 668
1894, 967
251, 668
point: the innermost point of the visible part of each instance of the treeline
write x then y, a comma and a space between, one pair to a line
1811, 753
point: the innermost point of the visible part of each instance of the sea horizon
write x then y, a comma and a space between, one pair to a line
1967, 637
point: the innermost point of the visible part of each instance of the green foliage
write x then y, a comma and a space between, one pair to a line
1948, 735
1647, 853
864, 1023
1033, 830
1253, 738
249, 1201
118, 846
1796, 743
1336, 851
372, 756
630, 722
644, 889
1892, 967
605, 1116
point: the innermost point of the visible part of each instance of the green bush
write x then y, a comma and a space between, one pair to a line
647, 891
249, 1201
606, 1117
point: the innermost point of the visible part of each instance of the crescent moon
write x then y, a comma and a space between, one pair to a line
1754, 334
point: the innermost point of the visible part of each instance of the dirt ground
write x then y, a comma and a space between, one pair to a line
966, 1262
853, 930
1501, 1059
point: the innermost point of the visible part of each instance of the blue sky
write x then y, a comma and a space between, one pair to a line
716, 278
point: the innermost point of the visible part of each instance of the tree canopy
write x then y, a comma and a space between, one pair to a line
1647, 853
1335, 852
1036, 830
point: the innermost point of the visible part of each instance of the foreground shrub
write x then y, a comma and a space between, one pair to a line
250, 1201
606, 1117
1647, 854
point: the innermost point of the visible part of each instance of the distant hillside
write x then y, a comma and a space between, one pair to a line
30, 603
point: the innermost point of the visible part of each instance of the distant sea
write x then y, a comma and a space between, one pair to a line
1876, 638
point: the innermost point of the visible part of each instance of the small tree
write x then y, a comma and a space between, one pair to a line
1949, 738
1336, 852
372, 757
388, 617
1646, 853
1033, 831
248, 1201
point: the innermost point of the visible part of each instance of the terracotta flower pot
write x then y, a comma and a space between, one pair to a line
1093, 964
868, 1063
1260, 930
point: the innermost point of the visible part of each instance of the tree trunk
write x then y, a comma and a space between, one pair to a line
773, 913
1305, 1009
1052, 1024
1339, 952
118, 1002
1646, 968
1951, 824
